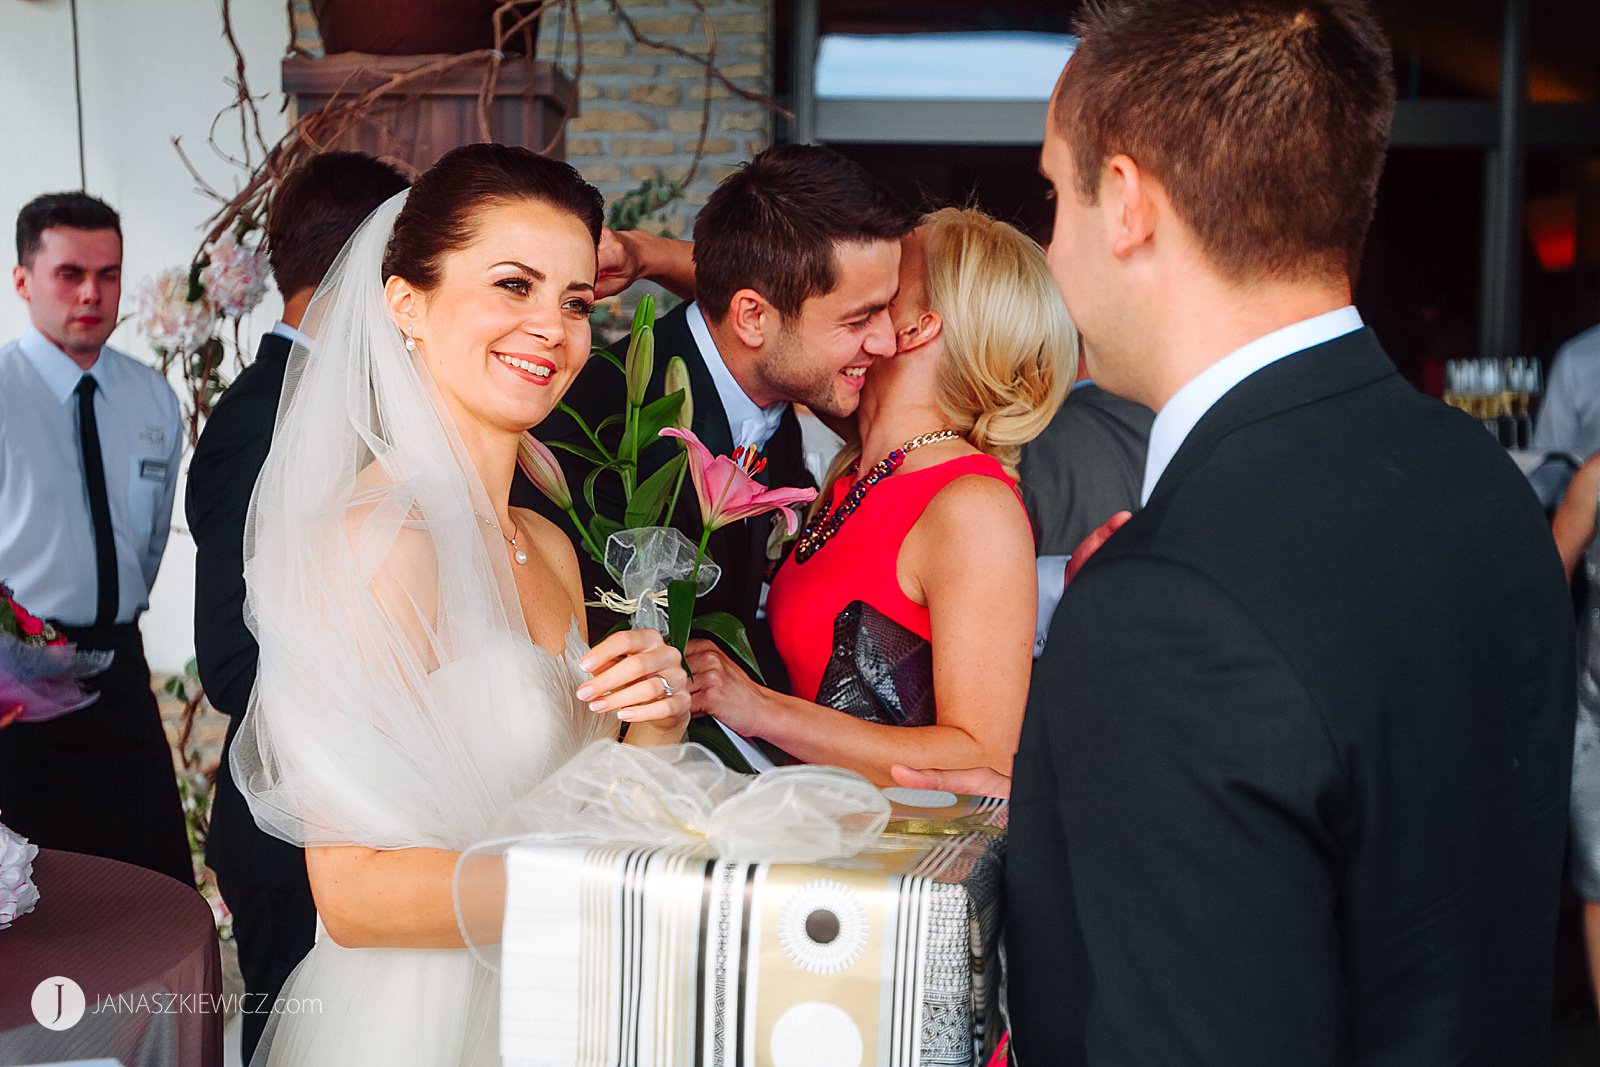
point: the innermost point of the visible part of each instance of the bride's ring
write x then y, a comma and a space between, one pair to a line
666, 687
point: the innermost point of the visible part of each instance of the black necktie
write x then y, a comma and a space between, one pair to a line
94, 474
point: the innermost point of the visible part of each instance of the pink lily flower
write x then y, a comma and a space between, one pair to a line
542, 468
728, 493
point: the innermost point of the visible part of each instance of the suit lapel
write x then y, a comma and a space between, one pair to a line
1314, 374
710, 422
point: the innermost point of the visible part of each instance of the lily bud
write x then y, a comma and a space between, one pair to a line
678, 378
541, 467
641, 351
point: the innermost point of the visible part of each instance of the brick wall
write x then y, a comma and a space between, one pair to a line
640, 108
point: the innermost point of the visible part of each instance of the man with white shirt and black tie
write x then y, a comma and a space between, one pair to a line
90, 441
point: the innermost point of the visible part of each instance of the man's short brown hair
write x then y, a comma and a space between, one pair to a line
774, 224
318, 207
1266, 122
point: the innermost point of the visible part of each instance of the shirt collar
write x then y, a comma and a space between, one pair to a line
289, 333
1189, 404
58, 370
750, 424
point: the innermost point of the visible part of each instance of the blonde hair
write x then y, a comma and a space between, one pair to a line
1010, 349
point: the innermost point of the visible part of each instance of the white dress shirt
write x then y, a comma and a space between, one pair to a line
289, 333
1190, 404
750, 424
47, 550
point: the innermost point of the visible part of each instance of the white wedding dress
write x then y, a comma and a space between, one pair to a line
398, 1006
399, 701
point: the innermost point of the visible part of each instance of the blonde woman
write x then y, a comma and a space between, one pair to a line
905, 612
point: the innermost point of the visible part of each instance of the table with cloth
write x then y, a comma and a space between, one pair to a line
140, 945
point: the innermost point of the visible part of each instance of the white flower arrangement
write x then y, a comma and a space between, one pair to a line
175, 324
183, 311
18, 894
235, 279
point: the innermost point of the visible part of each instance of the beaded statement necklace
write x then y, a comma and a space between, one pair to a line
820, 531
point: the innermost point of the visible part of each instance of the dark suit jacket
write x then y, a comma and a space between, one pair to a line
222, 474
1086, 466
740, 549
1292, 787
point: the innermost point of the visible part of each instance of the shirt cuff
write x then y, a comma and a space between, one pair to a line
1052, 572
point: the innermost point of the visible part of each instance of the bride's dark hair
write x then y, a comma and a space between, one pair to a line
438, 215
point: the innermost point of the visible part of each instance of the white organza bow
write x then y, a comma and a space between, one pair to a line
678, 796
682, 796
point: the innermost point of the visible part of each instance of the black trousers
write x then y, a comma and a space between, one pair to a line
100, 780
274, 927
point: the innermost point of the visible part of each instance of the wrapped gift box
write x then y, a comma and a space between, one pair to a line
622, 955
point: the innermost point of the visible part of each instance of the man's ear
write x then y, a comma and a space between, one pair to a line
1132, 197
405, 302
19, 281
928, 325
751, 318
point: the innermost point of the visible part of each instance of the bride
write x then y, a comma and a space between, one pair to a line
423, 656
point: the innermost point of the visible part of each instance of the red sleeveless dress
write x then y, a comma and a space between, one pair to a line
858, 563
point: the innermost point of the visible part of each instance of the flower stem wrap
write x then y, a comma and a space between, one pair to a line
644, 561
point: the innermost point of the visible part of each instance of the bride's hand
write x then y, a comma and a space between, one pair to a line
639, 678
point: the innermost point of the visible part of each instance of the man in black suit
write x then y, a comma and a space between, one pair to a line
795, 261
263, 879
1292, 784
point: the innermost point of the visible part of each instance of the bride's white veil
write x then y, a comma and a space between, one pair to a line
371, 584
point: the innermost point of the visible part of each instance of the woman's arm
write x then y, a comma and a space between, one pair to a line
971, 553
1573, 525
628, 256
369, 898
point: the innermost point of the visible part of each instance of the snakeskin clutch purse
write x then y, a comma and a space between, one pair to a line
879, 670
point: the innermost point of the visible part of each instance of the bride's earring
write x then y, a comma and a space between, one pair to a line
411, 339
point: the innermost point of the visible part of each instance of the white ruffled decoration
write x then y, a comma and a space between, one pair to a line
683, 796
18, 894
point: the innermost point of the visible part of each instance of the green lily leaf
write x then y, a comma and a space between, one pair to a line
601, 528
702, 731
597, 458
594, 476
680, 612
644, 509
610, 357
657, 416
572, 413
730, 631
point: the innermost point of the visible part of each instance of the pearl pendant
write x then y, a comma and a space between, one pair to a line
520, 556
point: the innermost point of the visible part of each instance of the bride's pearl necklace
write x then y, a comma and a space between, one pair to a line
516, 552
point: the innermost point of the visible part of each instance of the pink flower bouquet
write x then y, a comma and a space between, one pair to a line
39, 668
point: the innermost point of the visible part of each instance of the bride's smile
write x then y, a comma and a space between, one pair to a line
506, 328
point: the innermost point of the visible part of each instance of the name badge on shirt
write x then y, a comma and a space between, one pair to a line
153, 470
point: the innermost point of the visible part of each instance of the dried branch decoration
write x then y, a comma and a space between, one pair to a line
265, 166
